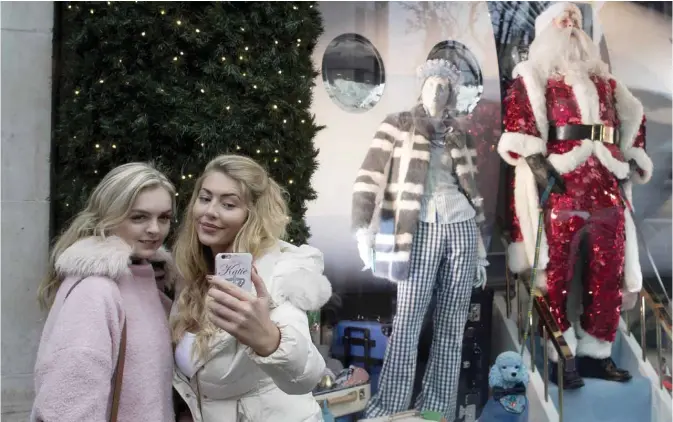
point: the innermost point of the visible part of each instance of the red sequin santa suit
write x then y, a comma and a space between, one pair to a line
592, 202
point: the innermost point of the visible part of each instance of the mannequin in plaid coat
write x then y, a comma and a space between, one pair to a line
418, 217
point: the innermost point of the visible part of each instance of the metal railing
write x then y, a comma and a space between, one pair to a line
662, 317
541, 315
550, 330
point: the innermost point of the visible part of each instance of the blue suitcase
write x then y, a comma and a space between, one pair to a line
363, 344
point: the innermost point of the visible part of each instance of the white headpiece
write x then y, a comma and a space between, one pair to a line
545, 18
438, 67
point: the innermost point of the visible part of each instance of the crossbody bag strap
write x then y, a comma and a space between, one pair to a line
118, 376
119, 369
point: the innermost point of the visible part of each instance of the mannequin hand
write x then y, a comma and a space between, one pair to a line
365, 244
480, 281
243, 315
542, 170
629, 300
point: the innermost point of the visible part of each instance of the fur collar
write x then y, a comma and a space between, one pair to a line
106, 257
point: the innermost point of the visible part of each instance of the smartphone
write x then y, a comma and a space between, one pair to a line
236, 268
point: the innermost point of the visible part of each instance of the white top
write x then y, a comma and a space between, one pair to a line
183, 355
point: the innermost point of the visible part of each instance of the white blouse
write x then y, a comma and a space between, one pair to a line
183, 355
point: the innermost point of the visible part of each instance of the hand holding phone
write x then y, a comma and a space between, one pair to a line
235, 268
238, 311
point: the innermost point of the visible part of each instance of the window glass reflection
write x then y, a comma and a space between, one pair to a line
353, 73
472, 84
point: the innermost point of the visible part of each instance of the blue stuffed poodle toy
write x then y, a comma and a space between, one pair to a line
508, 380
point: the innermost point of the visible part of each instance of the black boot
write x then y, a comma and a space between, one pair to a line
571, 378
606, 369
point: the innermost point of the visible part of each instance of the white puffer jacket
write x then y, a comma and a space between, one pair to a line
236, 385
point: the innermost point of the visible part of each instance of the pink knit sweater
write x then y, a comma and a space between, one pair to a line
80, 342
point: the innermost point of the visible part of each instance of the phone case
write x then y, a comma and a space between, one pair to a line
236, 268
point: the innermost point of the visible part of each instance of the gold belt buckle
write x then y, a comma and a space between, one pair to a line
607, 134
603, 133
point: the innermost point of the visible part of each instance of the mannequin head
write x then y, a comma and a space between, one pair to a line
435, 95
561, 47
440, 78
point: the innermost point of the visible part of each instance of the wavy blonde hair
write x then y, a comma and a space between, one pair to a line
109, 204
266, 220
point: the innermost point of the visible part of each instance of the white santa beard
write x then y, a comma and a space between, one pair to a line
566, 51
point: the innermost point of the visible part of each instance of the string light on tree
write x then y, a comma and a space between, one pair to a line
176, 33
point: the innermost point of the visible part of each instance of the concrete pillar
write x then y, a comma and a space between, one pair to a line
26, 141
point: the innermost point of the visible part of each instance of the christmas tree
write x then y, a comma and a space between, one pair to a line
178, 83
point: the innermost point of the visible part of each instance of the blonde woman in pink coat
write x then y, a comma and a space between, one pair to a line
102, 263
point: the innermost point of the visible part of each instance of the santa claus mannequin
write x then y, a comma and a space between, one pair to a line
417, 215
568, 118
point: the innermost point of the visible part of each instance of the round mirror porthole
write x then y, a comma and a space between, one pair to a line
472, 84
353, 73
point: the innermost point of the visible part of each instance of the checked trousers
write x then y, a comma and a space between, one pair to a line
443, 256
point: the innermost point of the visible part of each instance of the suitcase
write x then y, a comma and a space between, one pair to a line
473, 382
363, 344
345, 401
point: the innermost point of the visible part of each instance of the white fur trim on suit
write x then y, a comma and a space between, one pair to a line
565, 163
619, 168
570, 338
537, 95
630, 113
527, 210
588, 103
643, 161
591, 346
298, 277
521, 144
633, 275
517, 260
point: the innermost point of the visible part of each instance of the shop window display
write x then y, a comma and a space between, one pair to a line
353, 73
480, 114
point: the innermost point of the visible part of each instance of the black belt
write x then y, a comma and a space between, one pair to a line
601, 133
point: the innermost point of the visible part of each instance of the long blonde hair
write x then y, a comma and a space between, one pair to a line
108, 205
265, 224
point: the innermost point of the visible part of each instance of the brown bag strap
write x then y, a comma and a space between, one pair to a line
118, 375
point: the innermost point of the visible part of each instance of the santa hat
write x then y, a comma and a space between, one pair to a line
545, 18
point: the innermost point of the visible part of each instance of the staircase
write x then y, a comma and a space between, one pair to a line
640, 400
